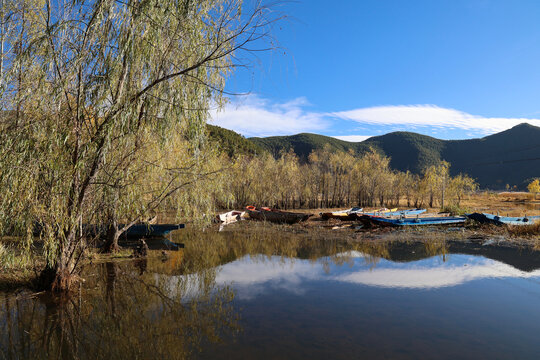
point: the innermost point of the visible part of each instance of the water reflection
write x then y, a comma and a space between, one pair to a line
267, 291
433, 273
255, 275
117, 314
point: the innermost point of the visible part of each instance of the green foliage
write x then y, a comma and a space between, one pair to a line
231, 143
107, 105
304, 144
12, 258
455, 210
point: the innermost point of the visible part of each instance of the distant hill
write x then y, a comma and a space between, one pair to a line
302, 144
231, 142
510, 157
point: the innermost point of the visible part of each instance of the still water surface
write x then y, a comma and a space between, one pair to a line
268, 296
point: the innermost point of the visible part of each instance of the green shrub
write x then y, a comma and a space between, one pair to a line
455, 210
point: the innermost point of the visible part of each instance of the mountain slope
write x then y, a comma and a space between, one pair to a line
231, 142
408, 151
510, 157
302, 144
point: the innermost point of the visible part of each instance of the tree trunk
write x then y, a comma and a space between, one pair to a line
111, 242
58, 277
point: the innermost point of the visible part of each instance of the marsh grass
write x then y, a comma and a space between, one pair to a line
456, 210
525, 230
17, 267
93, 254
13, 258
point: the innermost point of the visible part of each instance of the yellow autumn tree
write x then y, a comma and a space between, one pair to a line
534, 187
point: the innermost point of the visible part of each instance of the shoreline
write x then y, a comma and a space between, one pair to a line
23, 274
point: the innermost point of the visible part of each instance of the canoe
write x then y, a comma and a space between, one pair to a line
276, 216
484, 218
409, 212
152, 230
349, 214
380, 212
433, 221
230, 217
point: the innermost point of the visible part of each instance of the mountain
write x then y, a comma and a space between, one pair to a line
231, 142
303, 144
509, 157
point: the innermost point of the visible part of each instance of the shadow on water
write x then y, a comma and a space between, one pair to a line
123, 310
171, 306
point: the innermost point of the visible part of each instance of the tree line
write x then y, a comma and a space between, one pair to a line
337, 179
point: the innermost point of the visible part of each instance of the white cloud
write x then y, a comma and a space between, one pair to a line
253, 116
256, 116
255, 275
352, 138
429, 115
433, 277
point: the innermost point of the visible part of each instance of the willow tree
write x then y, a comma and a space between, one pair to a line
86, 84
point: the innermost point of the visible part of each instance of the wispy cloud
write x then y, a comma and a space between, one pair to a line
256, 116
413, 116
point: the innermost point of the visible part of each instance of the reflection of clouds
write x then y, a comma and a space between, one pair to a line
252, 276
255, 275
434, 275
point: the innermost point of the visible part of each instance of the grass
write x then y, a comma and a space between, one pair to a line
12, 258
525, 230
92, 254
455, 210
17, 269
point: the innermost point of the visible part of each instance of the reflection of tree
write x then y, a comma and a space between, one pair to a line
150, 308
211, 249
125, 316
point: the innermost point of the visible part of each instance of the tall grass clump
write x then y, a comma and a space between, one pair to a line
455, 210
12, 259
525, 230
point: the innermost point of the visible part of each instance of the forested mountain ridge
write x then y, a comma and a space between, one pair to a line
509, 157
231, 142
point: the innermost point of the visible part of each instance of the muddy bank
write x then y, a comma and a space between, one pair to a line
486, 235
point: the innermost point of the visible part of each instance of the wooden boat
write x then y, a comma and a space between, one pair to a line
349, 214
230, 217
369, 220
484, 218
276, 216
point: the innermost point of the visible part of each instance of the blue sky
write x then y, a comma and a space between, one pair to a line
451, 69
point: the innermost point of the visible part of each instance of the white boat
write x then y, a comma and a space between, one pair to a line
231, 217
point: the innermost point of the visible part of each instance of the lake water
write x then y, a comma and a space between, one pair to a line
266, 295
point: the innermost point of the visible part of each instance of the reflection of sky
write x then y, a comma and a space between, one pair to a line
254, 275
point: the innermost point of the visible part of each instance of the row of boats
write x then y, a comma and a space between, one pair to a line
378, 218
382, 217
